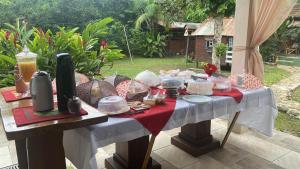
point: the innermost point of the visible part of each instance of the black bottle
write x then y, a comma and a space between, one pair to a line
65, 81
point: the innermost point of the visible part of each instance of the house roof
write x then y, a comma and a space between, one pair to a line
181, 25
207, 28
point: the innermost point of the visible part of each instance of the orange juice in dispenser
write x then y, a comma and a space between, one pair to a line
27, 63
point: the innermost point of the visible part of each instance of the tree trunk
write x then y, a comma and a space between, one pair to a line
218, 29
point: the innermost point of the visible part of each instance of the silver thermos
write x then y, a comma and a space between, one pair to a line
41, 92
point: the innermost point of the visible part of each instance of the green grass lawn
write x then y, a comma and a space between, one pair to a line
273, 75
125, 67
296, 95
286, 123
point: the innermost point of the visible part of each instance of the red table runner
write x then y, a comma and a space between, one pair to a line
156, 117
12, 95
26, 116
235, 93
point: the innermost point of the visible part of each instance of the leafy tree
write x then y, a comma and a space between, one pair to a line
218, 9
149, 12
68, 13
183, 10
280, 40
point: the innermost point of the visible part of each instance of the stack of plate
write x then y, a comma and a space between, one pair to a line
172, 92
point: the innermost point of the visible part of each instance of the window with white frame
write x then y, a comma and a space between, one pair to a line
230, 42
209, 43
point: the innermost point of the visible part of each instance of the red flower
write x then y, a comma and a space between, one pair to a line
210, 69
104, 43
7, 35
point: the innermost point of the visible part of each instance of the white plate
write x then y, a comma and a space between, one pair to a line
196, 99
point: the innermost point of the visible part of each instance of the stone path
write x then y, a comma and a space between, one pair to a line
283, 91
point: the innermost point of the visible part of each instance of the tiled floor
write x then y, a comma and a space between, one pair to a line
250, 150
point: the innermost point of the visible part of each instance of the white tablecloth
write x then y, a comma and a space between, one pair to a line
258, 111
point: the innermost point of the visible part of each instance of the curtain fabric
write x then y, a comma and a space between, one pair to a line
265, 18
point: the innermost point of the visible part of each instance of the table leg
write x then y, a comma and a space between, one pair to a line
230, 128
130, 155
46, 151
21, 153
196, 139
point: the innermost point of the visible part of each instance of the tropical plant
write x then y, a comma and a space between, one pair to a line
221, 49
155, 45
150, 13
22, 35
89, 51
12, 38
8, 49
280, 40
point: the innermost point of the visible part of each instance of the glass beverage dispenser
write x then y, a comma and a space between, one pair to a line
27, 63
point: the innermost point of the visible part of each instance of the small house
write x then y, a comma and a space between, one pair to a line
200, 38
177, 42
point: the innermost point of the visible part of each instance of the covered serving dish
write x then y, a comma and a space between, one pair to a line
112, 105
171, 83
149, 78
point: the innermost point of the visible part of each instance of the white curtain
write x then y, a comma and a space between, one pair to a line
264, 19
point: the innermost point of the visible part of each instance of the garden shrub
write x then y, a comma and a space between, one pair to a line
155, 45
142, 43
89, 50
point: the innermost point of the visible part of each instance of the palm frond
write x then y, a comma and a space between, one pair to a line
141, 19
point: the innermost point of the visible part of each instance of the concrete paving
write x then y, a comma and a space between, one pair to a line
250, 150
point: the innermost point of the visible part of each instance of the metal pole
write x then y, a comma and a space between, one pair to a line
230, 128
127, 43
148, 153
187, 49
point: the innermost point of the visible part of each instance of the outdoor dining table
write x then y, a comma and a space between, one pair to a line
257, 110
40, 145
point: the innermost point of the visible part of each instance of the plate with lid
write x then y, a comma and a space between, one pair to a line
197, 99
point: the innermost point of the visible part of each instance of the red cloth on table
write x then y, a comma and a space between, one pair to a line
235, 93
155, 118
12, 95
26, 116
